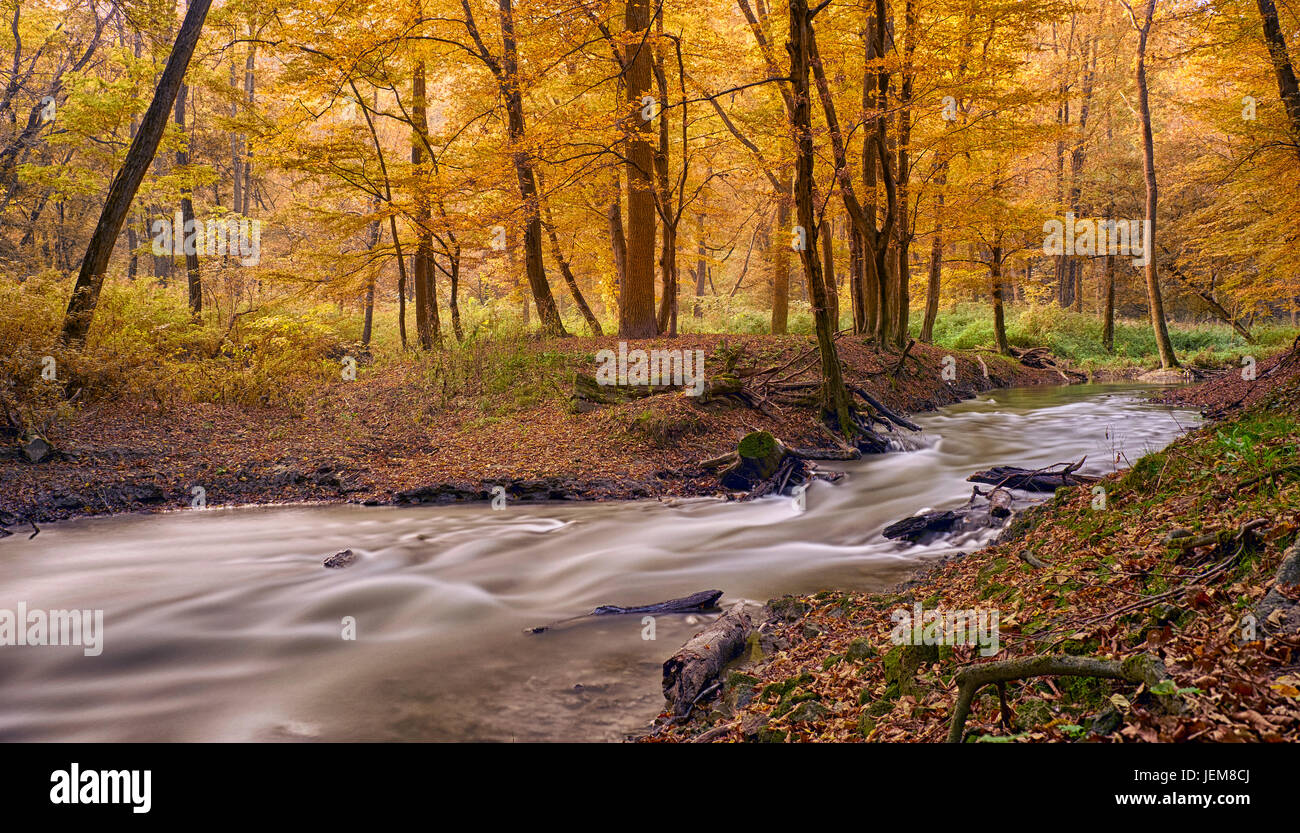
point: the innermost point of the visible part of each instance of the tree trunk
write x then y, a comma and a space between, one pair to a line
904, 175
637, 302
999, 318
249, 98
1154, 300
835, 398
375, 230
617, 239
566, 271
1286, 78
121, 192
697, 311
828, 271
426, 298
779, 244
533, 264
1108, 312
189, 227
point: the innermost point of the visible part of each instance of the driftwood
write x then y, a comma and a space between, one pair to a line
1033, 480
917, 527
1143, 668
693, 670
897, 419
996, 506
1042, 358
694, 603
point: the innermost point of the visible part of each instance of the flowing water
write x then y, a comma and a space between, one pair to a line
222, 624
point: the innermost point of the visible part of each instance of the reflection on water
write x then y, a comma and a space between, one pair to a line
222, 624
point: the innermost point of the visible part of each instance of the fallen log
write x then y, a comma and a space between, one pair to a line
698, 664
897, 419
1027, 480
917, 527
695, 603
984, 510
1042, 359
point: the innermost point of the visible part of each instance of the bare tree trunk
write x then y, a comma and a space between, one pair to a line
617, 239
936, 261
779, 244
566, 271
697, 311
828, 271
236, 182
121, 192
249, 99
373, 240
835, 398
1154, 299
904, 175
1286, 80
999, 317
426, 297
1108, 313
192, 275
637, 307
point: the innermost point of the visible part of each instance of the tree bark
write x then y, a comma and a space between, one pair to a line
1286, 79
121, 192
999, 317
1154, 299
637, 301
779, 243
427, 326
192, 275
835, 398
1108, 312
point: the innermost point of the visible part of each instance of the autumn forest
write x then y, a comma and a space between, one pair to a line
652, 278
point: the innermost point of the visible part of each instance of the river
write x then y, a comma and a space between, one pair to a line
222, 625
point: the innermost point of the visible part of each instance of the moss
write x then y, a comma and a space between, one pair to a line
784, 687
901, 664
1034, 712
831, 661
809, 711
788, 608
792, 699
861, 650
1081, 647
1085, 691
993, 568
757, 445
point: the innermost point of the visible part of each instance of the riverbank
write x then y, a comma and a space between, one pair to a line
391, 436
1175, 559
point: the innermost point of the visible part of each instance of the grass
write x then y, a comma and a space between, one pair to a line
1078, 337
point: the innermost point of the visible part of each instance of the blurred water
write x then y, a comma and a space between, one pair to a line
222, 624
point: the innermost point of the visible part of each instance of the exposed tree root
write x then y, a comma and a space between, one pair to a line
1143, 668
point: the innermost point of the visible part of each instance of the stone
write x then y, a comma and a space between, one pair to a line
338, 560
36, 449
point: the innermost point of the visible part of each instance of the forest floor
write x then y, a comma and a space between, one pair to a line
1112, 581
389, 437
